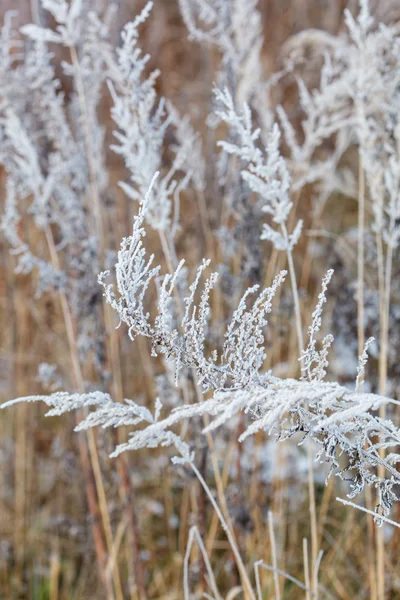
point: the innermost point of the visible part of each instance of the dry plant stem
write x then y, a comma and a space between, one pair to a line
383, 359
207, 232
369, 512
311, 490
133, 527
385, 328
194, 535
98, 221
316, 571
170, 262
55, 571
278, 500
274, 554
93, 500
247, 587
117, 544
35, 11
20, 466
361, 333
360, 256
324, 506
122, 466
217, 475
258, 581
384, 278
296, 300
112, 337
279, 572
306, 568
183, 520
214, 520
360, 330
203, 516
313, 516
371, 559
225, 512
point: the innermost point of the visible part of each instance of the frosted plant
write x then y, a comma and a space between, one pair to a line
59, 190
143, 119
337, 111
376, 101
355, 101
311, 356
234, 26
328, 113
341, 421
53, 152
67, 16
52, 149
80, 28
362, 361
243, 353
189, 148
266, 174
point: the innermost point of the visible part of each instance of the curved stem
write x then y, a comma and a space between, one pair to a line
242, 569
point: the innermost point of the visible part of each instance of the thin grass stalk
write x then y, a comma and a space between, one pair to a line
372, 573
247, 587
205, 223
360, 256
310, 476
306, 568
194, 535
113, 347
214, 519
295, 291
55, 571
369, 512
20, 483
258, 581
216, 472
313, 515
91, 466
383, 369
316, 571
274, 554
282, 574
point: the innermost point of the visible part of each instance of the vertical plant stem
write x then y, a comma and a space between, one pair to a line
295, 291
20, 456
249, 592
274, 554
372, 574
313, 517
194, 534
91, 466
113, 347
306, 568
375, 574
95, 197
360, 256
258, 581
217, 475
310, 477
383, 368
